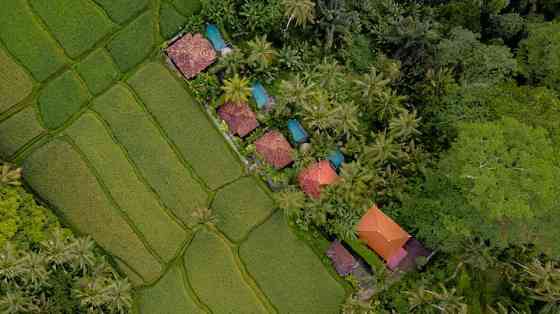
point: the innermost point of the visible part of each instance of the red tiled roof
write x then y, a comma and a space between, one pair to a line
191, 54
239, 117
312, 179
342, 260
275, 149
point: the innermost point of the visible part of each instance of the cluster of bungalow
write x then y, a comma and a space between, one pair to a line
191, 54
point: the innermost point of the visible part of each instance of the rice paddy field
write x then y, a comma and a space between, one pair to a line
110, 138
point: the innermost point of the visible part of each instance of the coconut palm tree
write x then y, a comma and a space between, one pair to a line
320, 114
119, 296
301, 11
237, 89
348, 122
420, 300
232, 63
544, 284
17, 302
203, 216
261, 53
83, 253
371, 85
296, 91
382, 150
405, 125
291, 201
388, 104
10, 175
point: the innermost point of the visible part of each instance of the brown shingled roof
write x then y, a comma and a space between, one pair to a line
312, 179
343, 261
239, 117
191, 54
275, 149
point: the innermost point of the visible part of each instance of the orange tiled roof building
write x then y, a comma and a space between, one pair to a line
383, 235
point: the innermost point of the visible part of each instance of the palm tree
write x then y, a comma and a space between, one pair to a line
348, 122
387, 105
203, 216
83, 253
9, 175
371, 85
57, 249
119, 296
302, 11
261, 53
420, 300
291, 201
384, 149
296, 91
544, 284
405, 125
17, 302
232, 63
319, 114
237, 89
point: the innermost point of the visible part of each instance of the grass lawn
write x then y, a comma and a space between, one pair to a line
127, 155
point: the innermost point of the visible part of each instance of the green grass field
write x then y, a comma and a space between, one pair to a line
111, 139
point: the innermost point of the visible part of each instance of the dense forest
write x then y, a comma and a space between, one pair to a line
447, 113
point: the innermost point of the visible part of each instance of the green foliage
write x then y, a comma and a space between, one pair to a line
23, 221
474, 62
61, 99
261, 53
497, 182
236, 89
507, 26
539, 55
63, 275
302, 12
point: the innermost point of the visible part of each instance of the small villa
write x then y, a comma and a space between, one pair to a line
191, 54
397, 248
275, 149
315, 177
239, 117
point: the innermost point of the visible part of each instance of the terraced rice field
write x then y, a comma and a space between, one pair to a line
111, 138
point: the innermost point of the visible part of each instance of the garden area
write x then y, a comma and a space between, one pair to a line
282, 156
